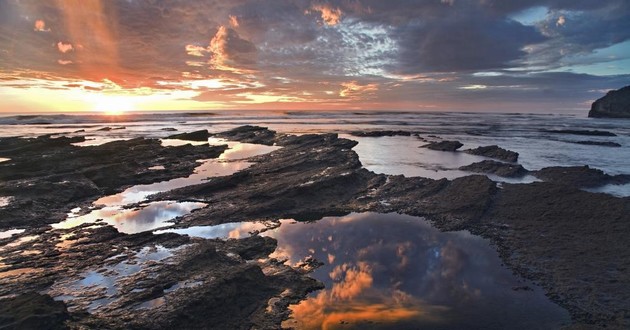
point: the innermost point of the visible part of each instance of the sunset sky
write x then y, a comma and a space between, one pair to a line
431, 55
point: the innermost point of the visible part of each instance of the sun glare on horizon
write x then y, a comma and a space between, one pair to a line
112, 105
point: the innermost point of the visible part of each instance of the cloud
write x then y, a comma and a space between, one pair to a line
230, 52
194, 50
234, 21
354, 89
64, 62
561, 20
330, 15
40, 26
64, 48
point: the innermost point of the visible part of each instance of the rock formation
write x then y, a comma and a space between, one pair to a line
615, 104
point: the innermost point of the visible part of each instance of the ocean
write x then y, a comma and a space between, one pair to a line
538, 138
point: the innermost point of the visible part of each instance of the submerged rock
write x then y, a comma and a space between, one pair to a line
599, 143
380, 133
201, 135
615, 104
494, 151
581, 132
444, 145
494, 167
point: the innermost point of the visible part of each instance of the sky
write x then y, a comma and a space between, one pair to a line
545, 56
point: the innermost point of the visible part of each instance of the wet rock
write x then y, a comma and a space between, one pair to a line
581, 132
444, 145
494, 167
599, 143
615, 104
551, 232
570, 241
32, 311
250, 134
494, 151
380, 133
201, 135
49, 176
169, 129
579, 176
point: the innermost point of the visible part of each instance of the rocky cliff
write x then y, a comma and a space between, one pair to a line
615, 104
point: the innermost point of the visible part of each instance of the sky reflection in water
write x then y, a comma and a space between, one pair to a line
396, 271
152, 216
228, 163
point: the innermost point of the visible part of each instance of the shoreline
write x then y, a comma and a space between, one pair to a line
317, 175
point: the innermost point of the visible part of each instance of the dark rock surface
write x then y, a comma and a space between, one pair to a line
570, 241
250, 134
599, 143
201, 135
444, 145
495, 152
32, 311
615, 104
49, 176
380, 133
581, 132
579, 176
494, 167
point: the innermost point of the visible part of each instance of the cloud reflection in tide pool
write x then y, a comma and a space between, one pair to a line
387, 271
147, 217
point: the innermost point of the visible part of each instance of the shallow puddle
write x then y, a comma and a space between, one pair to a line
148, 217
228, 163
99, 288
223, 231
10, 232
5, 200
391, 271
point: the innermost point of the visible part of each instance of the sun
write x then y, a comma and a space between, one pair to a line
113, 105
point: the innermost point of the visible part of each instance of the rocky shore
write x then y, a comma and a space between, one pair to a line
570, 241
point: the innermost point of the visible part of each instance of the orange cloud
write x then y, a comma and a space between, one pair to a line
234, 21
330, 16
64, 62
353, 89
40, 26
64, 48
194, 50
352, 300
229, 51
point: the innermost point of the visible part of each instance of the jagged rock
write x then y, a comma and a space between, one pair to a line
615, 104
32, 311
498, 168
444, 145
579, 176
201, 135
250, 134
494, 151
